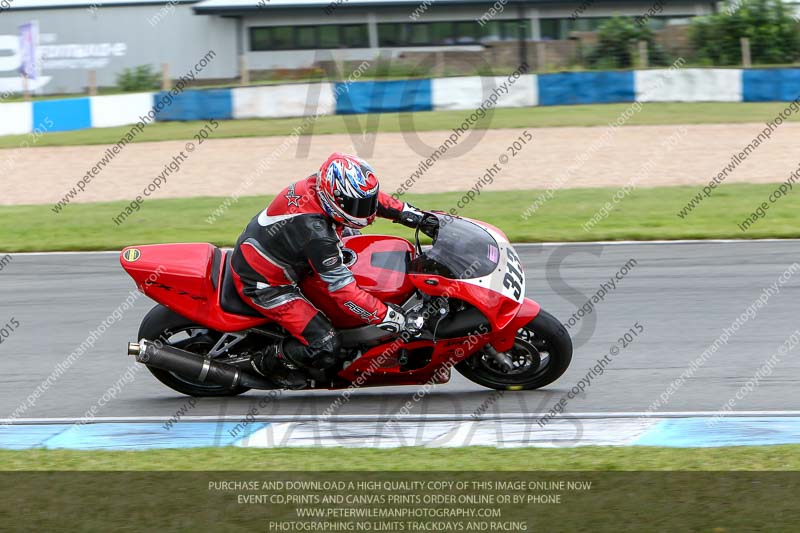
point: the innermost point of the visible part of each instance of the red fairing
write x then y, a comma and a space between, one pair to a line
499, 309
380, 270
503, 340
178, 276
182, 266
381, 366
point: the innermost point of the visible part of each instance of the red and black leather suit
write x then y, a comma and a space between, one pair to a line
293, 238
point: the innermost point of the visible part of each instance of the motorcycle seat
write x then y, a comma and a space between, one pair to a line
229, 299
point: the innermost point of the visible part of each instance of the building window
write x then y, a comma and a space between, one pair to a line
355, 36
329, 37
282, 38
554, 29
259, 39
587, 23
441, 33
467, 32
305, 37
513, 30
271, 38
451, 33
418, 34
657, 23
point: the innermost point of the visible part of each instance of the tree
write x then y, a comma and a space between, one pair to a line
616, 44
141, 78
769, 24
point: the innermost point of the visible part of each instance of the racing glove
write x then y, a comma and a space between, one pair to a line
410, 216
394, 321
414, 218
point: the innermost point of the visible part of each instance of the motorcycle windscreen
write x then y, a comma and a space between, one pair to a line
462, 250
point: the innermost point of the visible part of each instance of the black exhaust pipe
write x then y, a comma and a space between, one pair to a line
194, 366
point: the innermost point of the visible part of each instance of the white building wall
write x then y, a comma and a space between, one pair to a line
132, 35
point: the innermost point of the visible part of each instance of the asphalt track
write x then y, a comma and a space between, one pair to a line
684, 294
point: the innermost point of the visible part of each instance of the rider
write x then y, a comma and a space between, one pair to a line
299, 234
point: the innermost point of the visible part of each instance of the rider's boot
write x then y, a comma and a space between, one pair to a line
274, 364
318, 360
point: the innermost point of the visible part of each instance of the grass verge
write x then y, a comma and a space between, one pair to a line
742, 458
653, 113
646, 214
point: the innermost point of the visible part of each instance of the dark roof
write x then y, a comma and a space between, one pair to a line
234, 7
25, 5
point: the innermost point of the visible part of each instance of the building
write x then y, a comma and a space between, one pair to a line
108, 36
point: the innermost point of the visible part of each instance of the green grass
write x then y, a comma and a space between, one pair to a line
645, 214
744, 458
537, 117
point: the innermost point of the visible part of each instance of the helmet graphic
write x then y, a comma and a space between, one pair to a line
348, 190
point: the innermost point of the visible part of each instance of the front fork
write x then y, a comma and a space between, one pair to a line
501, 358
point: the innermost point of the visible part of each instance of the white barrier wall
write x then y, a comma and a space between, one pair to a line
16, 118
462, 93
689, 85
119, 109
470, 92
294, 100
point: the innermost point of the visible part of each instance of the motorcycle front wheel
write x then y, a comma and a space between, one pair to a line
541, 353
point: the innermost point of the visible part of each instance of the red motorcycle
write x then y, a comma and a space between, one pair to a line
464, 298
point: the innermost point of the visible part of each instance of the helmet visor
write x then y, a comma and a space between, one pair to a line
359, 207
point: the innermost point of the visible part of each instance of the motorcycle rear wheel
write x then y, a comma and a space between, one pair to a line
161, 324
541, 353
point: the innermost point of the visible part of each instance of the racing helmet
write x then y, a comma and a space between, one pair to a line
348, 190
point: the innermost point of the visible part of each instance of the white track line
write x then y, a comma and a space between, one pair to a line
401, 418
34, 254
677, 241
520, 244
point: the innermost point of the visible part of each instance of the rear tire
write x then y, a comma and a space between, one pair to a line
162, 324
542, 352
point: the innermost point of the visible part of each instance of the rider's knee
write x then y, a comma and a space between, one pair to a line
328, 344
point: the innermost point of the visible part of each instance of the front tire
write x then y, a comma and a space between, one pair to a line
161, 324
541, 353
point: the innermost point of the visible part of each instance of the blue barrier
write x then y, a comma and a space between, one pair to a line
568, 88
771, 85
758, 85
383, 96
62, 115
201, 104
